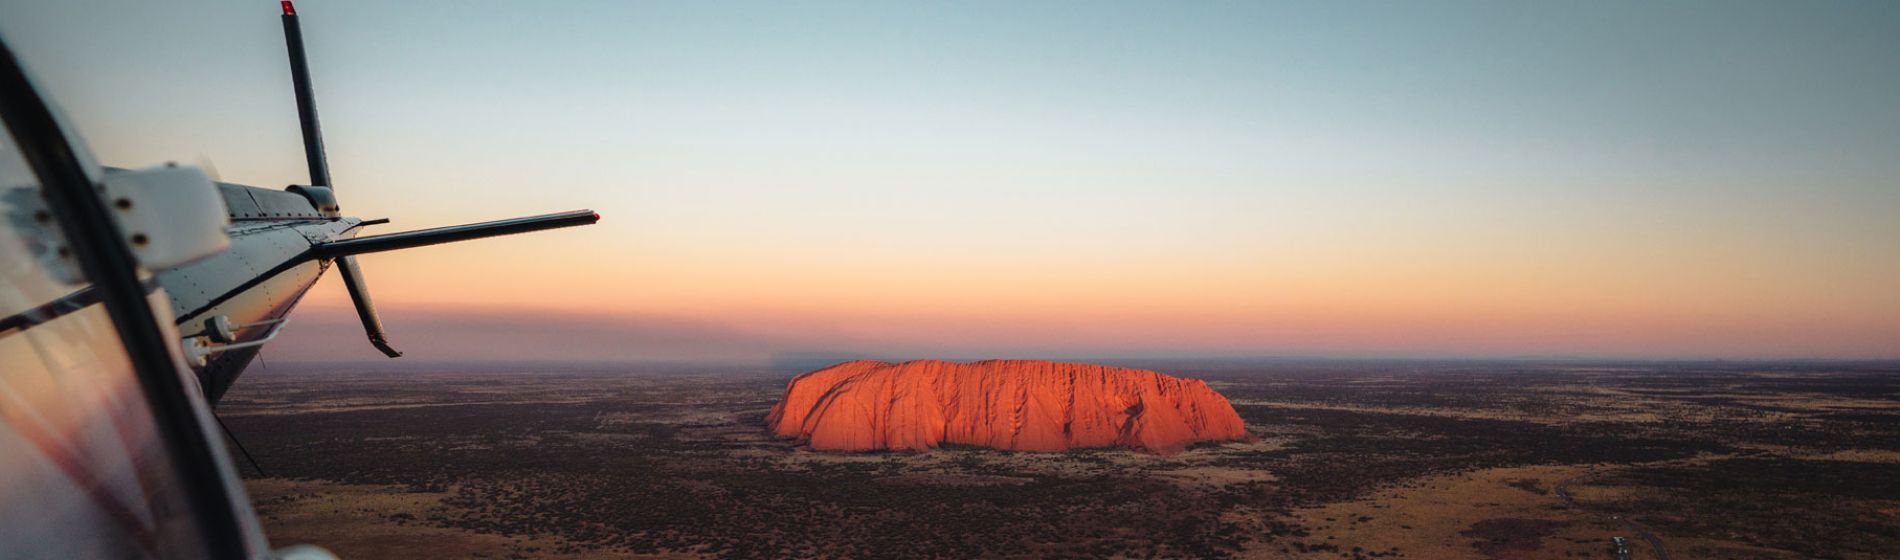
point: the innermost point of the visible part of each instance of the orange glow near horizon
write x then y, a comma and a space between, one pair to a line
1616, 296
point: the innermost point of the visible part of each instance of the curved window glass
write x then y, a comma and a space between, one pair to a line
83, 473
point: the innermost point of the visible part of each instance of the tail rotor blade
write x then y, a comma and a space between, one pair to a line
365, 310
306, 100
451, 234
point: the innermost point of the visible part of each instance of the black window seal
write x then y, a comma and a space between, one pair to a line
105, 259
44, 313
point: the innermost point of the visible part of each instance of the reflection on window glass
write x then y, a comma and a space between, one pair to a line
82, 471
27, 238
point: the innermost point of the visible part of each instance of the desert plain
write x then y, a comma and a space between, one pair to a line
1349, 459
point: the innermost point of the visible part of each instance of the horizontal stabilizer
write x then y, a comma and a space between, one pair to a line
450, 234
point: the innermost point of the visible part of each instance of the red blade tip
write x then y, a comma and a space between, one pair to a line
289, 10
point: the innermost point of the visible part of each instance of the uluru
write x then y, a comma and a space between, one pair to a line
1022, 405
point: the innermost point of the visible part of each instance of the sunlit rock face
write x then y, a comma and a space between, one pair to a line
1004, 404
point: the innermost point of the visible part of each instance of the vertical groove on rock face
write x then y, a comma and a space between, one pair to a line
1007, 404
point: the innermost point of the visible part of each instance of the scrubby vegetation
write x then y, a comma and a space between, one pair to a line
1788, 461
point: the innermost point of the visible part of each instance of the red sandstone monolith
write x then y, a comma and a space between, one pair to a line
1020, 405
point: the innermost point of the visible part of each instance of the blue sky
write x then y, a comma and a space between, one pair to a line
935, 176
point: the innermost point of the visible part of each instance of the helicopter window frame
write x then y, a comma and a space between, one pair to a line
107, 262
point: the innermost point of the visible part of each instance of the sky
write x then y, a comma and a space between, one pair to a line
977, 179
